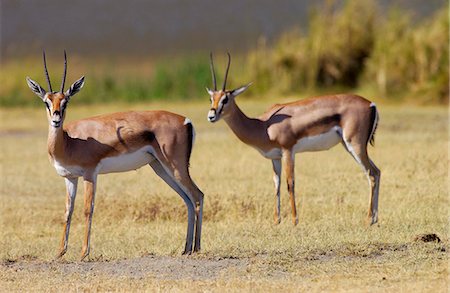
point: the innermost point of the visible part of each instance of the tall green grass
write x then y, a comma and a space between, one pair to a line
353, 47
180, 78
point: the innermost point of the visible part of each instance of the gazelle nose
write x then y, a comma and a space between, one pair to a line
212, 115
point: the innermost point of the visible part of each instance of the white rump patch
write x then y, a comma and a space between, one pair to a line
187, 121
321, 142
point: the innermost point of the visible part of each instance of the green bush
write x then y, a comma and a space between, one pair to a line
356, 46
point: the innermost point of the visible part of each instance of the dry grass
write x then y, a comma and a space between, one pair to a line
138, 217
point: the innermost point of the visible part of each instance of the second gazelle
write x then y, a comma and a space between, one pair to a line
314, 124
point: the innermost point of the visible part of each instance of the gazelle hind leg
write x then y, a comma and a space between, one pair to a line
374, 177
161, 171
199, 218
276, 166
90, 184
198, 226
181, 173
359, 153
289, 164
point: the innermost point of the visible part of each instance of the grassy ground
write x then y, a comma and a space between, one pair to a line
139, 223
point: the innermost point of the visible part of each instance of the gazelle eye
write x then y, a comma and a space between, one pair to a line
47, 105
225, 100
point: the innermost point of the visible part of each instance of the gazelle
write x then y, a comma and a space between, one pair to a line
118, 142
314, 124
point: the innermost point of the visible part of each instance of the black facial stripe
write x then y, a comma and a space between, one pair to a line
220, 109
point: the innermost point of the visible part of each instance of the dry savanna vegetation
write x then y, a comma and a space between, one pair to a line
139, 223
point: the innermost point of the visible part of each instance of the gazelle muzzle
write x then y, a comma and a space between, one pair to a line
56, 119
212, 115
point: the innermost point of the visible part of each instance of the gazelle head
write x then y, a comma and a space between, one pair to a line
56, 102
221, 99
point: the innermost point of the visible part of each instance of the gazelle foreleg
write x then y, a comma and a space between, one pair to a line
289, 164
89, 198
71, 188
164, 174
276, 166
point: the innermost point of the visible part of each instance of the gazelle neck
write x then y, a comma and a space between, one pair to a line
56, 141
251, 131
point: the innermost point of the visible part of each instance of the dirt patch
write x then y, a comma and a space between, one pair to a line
160, 267
427, 238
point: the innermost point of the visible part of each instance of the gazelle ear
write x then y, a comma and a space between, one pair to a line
75, 87
210, 92
36, 88
240, 90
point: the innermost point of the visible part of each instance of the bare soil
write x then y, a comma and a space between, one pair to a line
159, 267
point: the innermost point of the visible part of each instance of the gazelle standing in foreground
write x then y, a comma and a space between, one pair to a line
314, 124
118, 142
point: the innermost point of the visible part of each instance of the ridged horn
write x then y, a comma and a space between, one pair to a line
226, 72
46, 72
212, 71
65, 72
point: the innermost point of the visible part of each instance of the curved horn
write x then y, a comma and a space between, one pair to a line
46, 73
212, 71
226, 72
65, 72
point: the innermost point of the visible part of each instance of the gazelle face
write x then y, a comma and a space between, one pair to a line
56, 104
219, 101
222, 100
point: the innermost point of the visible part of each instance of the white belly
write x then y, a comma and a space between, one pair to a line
126, 162
121, 163
67, 171
315, 143
272, 154
319, 142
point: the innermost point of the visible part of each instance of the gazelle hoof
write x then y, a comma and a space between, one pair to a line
60, 254
186, 252
84, 254
371, 221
